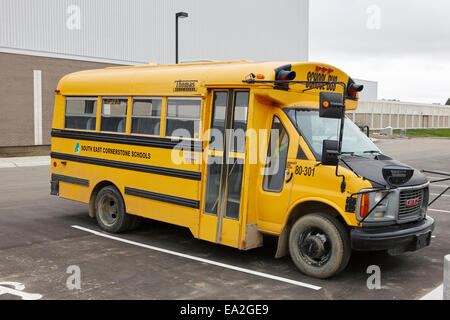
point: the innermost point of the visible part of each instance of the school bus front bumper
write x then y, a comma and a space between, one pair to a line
395, 239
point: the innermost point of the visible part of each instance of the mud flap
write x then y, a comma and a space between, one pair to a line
54, 188
283, 245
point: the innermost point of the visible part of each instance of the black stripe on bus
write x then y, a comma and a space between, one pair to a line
69, 179
155, 142
163, 197
192, 175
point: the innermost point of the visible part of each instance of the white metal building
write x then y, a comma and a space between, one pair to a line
400, 115
378, 114
143, 31
370, 92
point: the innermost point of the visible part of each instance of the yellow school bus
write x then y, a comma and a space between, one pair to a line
234, 150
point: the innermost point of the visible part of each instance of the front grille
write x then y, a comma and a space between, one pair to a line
410, 203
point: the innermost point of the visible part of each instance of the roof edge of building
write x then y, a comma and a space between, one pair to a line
46, 54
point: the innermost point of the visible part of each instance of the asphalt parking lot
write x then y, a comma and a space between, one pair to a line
38, 243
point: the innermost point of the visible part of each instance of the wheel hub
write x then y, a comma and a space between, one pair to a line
108, 210
314, 246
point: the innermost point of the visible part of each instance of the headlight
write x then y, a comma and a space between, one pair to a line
367, 202
378, 214
379, 196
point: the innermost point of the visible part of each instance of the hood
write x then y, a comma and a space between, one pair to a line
371, 169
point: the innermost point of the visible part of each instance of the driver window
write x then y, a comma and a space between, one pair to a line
276, 157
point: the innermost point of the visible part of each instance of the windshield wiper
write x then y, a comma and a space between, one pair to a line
372, 151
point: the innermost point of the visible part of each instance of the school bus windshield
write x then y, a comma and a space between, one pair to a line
315, 129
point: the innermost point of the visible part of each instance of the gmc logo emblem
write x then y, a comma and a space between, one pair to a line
412, 202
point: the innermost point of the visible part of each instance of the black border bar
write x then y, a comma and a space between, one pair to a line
155, 142
224, 309
185, 174
163, 197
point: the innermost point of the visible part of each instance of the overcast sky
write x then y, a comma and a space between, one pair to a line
404, 45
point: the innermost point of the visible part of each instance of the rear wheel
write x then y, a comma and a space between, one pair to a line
137, 222
319, 245
110, 211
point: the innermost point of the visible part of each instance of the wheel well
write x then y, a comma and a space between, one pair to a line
297, 212
94, 192
310, 207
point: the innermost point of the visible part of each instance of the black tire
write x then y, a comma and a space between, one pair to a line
319, 245
110, 211
137, 222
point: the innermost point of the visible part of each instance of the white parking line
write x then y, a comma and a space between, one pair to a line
439, 185
215, 263
16, 288
439, 210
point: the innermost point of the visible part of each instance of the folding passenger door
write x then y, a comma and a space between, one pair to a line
222, 209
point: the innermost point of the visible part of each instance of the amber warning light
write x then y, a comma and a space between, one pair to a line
353, 88
283, 73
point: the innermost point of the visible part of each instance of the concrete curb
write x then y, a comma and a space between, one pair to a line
24, 162
443, 291
435, 294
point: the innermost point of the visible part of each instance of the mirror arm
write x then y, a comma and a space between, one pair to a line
343, 184
341, 134
341, 131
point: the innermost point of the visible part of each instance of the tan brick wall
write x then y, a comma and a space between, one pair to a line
363, 119
16, 94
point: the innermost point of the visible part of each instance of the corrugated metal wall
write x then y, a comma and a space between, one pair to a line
140, 31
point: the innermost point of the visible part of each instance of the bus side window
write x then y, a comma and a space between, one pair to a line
276, 157
81, 113
114, 114
239, 121
146, 116
183, 117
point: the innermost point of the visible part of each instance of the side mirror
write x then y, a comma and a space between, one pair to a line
331, 105
330, 152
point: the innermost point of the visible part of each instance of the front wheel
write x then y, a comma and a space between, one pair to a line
319, 245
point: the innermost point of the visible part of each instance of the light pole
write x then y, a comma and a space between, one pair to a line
178, 15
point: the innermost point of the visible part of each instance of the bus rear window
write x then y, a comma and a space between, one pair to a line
81, 113
183, 117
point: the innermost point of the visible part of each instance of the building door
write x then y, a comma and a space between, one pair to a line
221, 213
